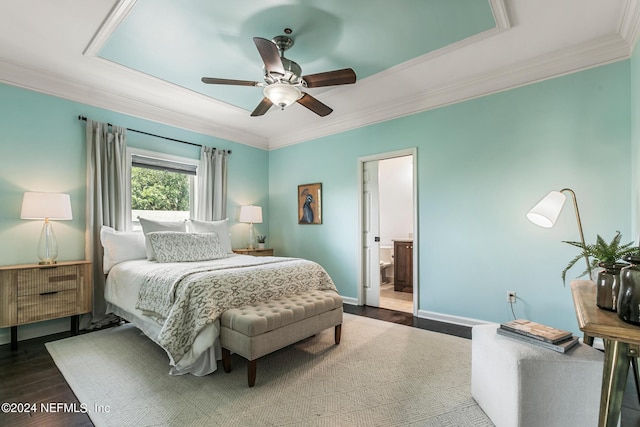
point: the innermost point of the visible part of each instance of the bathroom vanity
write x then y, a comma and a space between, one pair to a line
403, 265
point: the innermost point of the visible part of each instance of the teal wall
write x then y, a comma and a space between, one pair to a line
635, 142
42, 148
482, 165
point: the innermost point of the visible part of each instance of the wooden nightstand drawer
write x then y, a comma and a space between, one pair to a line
48, 305
255, 251
45, 280
32, 293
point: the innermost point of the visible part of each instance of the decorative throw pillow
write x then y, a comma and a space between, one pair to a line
219, 227
149, 226
120, 246
170, 246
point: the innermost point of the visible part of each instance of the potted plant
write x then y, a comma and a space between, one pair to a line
607, 256
261, 240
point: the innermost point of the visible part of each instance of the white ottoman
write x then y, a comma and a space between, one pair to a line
521, 384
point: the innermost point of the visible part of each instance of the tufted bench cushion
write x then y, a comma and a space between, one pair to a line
255, 330
262, 317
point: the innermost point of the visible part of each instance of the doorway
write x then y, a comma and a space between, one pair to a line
388, 224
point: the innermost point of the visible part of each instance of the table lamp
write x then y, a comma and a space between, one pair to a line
252, 215
46, 206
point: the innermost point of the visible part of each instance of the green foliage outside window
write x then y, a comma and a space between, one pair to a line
153, 189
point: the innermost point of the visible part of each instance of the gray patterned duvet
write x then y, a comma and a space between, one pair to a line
186, 297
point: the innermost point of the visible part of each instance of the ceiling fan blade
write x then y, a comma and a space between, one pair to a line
314, 105
262, 108
214, 81
345, 76
270, 56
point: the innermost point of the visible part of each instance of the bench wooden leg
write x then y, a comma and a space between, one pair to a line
251, 372
226, 360
338, 332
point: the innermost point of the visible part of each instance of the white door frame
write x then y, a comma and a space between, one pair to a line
361, 264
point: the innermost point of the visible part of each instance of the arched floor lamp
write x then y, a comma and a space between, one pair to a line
545, 214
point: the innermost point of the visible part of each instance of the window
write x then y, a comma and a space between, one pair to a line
161, 187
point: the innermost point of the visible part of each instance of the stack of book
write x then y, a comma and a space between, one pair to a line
536, 333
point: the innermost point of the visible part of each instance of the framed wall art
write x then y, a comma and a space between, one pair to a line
310, 203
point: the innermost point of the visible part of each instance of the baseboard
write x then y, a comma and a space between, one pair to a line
350, 301
432, 315
448, 318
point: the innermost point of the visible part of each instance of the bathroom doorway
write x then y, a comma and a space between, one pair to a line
389, 272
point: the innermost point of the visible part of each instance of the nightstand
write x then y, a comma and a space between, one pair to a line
32, 293
255, 251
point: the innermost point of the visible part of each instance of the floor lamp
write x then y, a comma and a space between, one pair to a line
546, 212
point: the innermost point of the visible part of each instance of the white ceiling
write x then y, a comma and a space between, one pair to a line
54, 47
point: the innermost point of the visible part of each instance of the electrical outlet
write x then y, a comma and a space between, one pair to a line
511, 297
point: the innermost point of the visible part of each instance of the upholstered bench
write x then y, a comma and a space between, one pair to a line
255, 330
521, 384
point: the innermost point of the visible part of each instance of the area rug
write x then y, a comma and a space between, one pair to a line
381, 374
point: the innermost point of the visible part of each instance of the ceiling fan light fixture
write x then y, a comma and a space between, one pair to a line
282, 94
283, 80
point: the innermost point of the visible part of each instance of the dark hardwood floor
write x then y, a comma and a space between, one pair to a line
409, 320
29, 375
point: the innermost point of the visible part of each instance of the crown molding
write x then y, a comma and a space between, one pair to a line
502, 24
153, 99
597, 52
630, 23
118, 13
122, 8
500, 14
389, 111
55, 85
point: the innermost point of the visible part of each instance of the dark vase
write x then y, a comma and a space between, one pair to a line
608, 285
629, 294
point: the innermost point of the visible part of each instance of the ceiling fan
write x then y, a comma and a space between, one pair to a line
283, 79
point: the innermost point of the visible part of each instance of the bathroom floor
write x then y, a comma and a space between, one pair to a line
392, 300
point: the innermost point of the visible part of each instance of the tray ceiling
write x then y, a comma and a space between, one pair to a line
146, 57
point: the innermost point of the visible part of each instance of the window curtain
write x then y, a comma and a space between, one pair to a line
212, 185
106, 203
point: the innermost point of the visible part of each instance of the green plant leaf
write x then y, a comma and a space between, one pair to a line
601, 252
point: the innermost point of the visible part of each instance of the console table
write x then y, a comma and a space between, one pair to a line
621, 347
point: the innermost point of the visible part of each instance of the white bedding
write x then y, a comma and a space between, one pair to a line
121, 293
182, 301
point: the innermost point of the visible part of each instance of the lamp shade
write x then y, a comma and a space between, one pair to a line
251, 214
546, 212
55, 206
282, 94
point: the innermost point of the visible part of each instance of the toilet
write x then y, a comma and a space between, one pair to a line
386, 262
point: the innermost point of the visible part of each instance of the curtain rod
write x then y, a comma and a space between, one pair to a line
84, 119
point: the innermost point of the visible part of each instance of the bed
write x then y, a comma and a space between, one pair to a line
173, 284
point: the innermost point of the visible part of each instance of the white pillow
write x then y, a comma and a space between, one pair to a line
149, 226
219, 227
120, 246
171, 246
